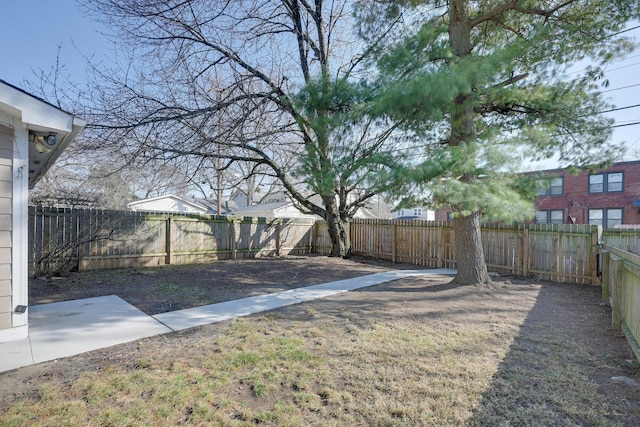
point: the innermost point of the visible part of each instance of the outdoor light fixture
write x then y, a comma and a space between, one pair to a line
41, 144
20, 308
51, 139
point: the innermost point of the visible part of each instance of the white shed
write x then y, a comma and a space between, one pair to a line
33, 133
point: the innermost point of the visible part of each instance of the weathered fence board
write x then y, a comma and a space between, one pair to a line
321, 240
107, 239
627, 240
560, 253
563, 253
621, 288
503, 248
425, 243
194, 239
89, 239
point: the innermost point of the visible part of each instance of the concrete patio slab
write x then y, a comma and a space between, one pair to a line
72, 327
15, 354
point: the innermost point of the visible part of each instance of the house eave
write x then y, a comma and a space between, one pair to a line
39, 118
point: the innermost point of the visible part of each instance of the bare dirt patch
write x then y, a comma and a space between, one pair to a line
168, 288
416, 351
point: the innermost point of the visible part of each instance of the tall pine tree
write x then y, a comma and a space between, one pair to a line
485, 83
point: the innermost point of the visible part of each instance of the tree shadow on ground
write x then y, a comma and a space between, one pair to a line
560, 362
553, 353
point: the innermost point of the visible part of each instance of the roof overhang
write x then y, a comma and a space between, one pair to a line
50, 129
139, 204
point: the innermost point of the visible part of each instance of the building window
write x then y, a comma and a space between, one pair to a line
417, 212
550, 217
606, 182
551, 187
608, 218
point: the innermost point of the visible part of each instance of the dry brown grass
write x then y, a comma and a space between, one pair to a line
415, 352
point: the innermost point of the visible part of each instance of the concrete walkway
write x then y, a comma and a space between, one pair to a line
72, 327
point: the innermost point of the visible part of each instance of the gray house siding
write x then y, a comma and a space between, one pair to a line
6, 190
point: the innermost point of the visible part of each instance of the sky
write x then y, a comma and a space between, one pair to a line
36, 29
32, 32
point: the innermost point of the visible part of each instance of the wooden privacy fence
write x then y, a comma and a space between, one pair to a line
626, 239
621, 288
89, 239
559, 253
96, 239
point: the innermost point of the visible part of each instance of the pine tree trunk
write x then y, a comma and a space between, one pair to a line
472, 268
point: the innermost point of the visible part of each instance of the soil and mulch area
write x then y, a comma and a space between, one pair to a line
546, 349
168, 288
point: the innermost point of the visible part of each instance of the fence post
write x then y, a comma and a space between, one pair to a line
311, 232
278, 232
169, 241
525, 251
605, 280
618, 293
440, 249
394, 242
595, 251
316, 237
233, 238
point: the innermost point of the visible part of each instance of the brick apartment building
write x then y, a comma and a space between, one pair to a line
609, 197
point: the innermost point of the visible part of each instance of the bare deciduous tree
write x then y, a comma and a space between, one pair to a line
277, 85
